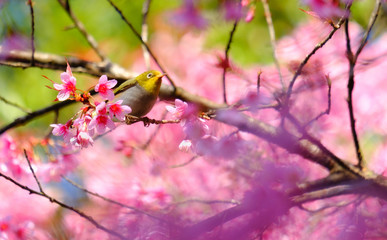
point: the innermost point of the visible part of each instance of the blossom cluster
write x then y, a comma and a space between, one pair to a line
198, 136
95, 117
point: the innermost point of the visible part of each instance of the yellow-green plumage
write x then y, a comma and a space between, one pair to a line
140, 93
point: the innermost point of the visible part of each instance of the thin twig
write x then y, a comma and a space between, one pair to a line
286, 102
138, 35
30, 4
270, 25
306, 59
339, 162
189, 201
33, 172
350, 86
371, 23
110, 200
331, 205
89, 38
328, 110
129, 119
352, 59
259, 82
185, 163
150, 139
227, 64
144, 31
24, 119
54, 200
15, 105
22, 59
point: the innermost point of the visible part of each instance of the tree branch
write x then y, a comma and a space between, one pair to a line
144, 31
227, 64
292, 144
63, 205
138, 35
306, 59
23, 109
21, 59
270, 25
89, 38
30, 4
350, 86
352, 59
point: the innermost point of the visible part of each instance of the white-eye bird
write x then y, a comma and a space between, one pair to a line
140, 93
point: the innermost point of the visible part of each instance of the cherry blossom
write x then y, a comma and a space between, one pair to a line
82, 139
185, 145
179, 110
104, 87
63, 130
117, 110
101, 120
68, 88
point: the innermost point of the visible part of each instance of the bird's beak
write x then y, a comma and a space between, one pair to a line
162, 75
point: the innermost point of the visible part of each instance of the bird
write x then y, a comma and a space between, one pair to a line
140, 93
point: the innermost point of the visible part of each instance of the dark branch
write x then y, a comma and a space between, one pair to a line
63, 205
327, 111
227, 64
89, 38
350, 87
138, 35
306, 59
21, 59
292, 144
23, 109
33, 172
371, 23
30, 4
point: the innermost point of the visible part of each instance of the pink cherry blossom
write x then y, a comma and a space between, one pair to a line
118, 110
104, 87
250, 14
82, 139
101, 120
62, 130
195, 128
101, 108
179, 109
68, 87
185, 145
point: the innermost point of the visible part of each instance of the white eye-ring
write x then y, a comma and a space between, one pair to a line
149, 75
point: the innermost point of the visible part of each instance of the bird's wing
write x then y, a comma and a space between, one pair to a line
125, 86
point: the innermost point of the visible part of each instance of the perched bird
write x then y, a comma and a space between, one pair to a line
140, 93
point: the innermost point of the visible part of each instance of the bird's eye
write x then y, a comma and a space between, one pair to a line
149, 75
